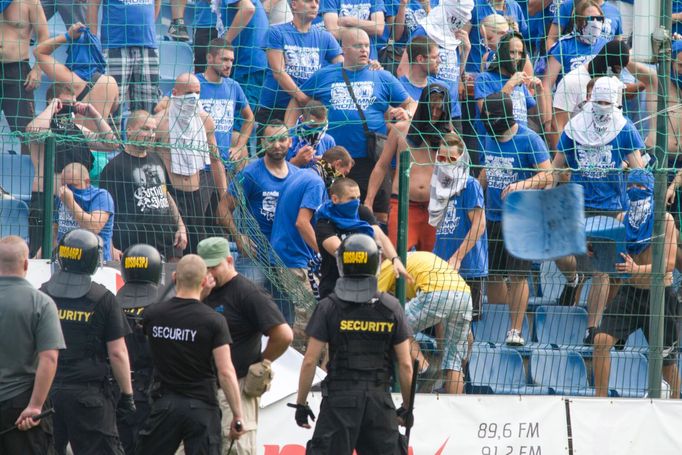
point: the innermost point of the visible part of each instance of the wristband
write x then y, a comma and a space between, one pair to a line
394, 258
68, 37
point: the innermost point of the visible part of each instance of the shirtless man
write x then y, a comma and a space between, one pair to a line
190, 134
18, 21
431, 119
630, 310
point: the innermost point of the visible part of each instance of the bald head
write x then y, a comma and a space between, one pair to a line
355, 43
190, 272
186, 83
77, 175
13, 256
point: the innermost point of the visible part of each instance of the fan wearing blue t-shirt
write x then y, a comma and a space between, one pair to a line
82, 206
378, 93
564, 17
223, 99
579, 47
369, 15
248, 41
422, 58
402, 19
506, 74
515, 158
129, 44
310, 139
295, 51
482, 9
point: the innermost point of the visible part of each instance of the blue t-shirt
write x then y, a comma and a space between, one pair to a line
261, 190
304, 190
375, 91
202, 15
128, 23
249, 45
412, 90
570, 52
491, 82
510, 162
483, 9
90, 200
613, 25
448, 72
597, 169
454, 227
223, 101
361, 9
325, 144
539, 23
304, 53
677, 8
414, 12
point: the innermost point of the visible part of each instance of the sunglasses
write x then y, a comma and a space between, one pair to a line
595, 18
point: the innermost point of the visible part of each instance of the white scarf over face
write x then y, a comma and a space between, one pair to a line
447, 181
188, 144
592, 126
443, 20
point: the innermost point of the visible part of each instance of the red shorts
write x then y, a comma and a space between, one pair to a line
420, 234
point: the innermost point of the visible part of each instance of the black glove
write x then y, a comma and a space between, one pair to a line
406, 416
303, 411
126, 407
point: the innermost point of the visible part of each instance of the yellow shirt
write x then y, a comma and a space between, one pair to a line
430, 274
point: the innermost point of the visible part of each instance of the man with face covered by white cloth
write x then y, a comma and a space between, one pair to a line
444, 25
189, 133
594, 145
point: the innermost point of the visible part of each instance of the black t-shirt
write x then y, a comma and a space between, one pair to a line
324, 323
138, 187
324, 229
88, 326
250, 313
182, 335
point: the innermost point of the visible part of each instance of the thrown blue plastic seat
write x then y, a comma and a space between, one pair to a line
560, 326
561, 370
13, 218
607, 239
175, 58
629, 375
543, 225
498, 370
494, 324
16, 175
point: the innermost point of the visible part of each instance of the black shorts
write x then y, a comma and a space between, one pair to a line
360, 173
499, 260
629, 311
476, 288
16, 102
160, 236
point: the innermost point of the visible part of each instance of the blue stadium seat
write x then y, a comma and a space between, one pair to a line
16, 175
551, 283
607, 236
498, 370
13, 218
561, 370
637, 342
494, 323
560, 326
175, 58
629, 374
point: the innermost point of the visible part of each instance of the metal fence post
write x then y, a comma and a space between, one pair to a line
48, 188
403, 206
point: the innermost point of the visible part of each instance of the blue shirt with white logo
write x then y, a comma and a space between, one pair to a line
375, 91
491, 82
454, 227
510, 162
414, 12
570, 52
128, 23
261, 190
598, 169
304, 53
304, 190
361, 9
249, 45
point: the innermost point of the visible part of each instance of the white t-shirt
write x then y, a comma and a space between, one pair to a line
571, 92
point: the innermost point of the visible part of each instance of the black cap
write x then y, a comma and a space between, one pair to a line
614, 53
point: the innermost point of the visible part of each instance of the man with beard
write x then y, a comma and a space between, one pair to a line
189, 133
136, 179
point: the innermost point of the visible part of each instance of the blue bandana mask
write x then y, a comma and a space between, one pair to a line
639, 219
344, 217
348, 209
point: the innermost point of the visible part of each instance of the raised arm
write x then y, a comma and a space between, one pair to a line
93, 15
245, 12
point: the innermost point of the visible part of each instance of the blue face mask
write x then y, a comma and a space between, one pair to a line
638, 194
348, 209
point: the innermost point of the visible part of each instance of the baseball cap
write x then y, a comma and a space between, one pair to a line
213, 250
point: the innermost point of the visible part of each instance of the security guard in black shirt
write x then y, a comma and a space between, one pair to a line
94, 328
365, 330
141, 268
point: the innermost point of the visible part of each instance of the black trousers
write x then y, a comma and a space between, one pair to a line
175, 419
363, 420
129, 428
85, 416
36, 441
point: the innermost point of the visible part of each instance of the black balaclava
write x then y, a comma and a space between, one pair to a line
614, 53
497, 114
